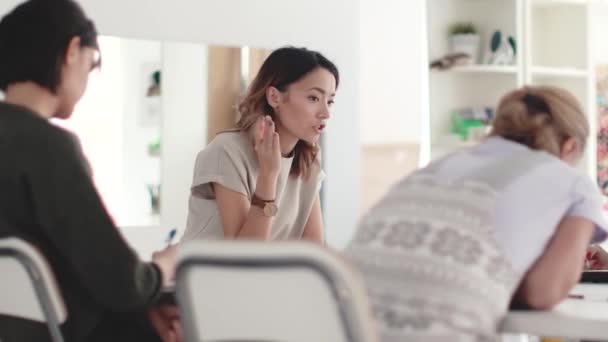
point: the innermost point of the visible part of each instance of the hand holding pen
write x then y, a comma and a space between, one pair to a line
166, 259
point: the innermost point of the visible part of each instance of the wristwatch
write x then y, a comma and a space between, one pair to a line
269, 208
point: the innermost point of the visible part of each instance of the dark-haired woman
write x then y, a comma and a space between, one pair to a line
47, 197
262, 179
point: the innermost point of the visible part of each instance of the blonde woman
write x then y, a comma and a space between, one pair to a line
262, 180
449, 247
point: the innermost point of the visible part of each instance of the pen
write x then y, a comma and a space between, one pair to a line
576, 296
171, 236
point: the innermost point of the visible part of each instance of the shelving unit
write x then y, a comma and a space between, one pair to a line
482, 68
477, 85
538, 71
553, 48
558, 49
553, 3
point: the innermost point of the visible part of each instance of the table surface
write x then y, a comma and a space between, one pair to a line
573, 318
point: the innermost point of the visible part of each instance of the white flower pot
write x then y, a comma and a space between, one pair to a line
466, 43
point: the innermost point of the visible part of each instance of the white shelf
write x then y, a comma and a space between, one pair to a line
482, 68
553, 48
552, 3
559, 72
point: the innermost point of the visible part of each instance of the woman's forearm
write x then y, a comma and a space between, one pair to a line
257, 225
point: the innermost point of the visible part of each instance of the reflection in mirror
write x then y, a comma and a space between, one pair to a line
118, 123
147, 112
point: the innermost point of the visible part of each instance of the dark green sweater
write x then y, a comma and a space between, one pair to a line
47, 197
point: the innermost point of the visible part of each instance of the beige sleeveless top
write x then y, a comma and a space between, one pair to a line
230, 161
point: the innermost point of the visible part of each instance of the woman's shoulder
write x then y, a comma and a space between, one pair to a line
233, 147
231, 139
34, 131
498, 150
227, 161
231, 142
552, 167
554, 177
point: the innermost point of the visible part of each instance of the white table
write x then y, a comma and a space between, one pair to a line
573, 318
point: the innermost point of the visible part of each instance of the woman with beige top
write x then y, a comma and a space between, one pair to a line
262, 179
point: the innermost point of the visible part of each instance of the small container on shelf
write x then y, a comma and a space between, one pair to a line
472, 123
154, 148
154, 192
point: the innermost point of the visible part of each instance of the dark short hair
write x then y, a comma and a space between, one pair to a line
34, 38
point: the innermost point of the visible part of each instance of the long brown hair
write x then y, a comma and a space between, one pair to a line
283, 67
542, 118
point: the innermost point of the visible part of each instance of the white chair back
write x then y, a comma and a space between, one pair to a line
28, 288
257, 291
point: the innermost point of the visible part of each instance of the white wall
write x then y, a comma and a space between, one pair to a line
393, 66
329, 26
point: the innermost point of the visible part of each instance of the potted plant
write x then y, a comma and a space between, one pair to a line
464, 38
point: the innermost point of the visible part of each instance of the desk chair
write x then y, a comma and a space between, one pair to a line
276, 292
28, 288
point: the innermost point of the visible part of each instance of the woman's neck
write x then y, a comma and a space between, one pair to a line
287, 140
33, 97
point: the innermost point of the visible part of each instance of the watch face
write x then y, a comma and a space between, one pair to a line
270, 209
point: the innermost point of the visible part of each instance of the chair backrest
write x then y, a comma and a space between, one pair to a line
28, 288
256, 291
